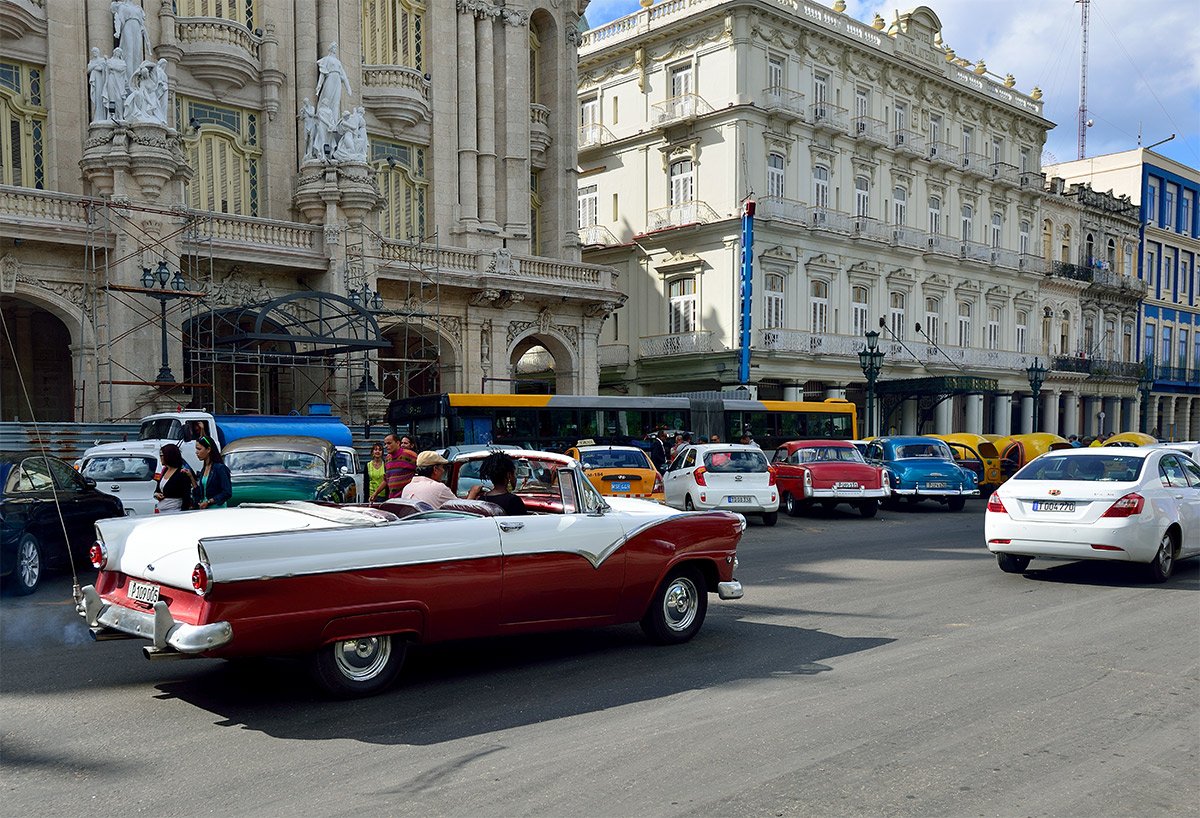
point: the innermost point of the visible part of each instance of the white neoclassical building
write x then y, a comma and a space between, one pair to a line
898, 189
347, 200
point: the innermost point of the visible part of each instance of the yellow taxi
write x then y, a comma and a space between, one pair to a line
619, 471
980, 455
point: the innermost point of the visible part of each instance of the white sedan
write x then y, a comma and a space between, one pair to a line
726, 476
1132, 505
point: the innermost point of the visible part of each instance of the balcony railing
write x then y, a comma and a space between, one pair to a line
1075, 272
974, 251
612, 355
911, 352
909, 142
593, 135
823, 218
781, 209
975, 163
822, 115
944, 152
1006, 258
1107, 278
678, 109
872, 130
910, 237
596, 235
1175, 374
1033, 181
943, 245
1098, 367
868, 228
694, 212
539, 128
679, 343
1006, 173
780, 101
1029, 263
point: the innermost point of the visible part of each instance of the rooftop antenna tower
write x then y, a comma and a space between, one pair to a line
1084, 123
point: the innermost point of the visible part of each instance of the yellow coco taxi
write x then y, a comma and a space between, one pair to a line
1018, 450
1131, 439
978, 454
619, 471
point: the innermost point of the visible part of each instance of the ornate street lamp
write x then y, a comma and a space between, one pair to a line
368, 298
1037, 376
871, 361
156, 282
1145, 384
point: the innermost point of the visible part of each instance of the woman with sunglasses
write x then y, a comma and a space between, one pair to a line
215, 486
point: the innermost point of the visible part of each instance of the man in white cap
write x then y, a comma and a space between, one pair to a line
427, 486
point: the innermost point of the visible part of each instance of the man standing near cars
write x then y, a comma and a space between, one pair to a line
427, 486
401, 465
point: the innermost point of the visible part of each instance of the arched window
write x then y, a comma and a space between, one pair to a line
900, 205
773, 303
393, 32
997, 229
933, 319
820, 186
862, 196
1048, 240
683, 182
242, 13
993, 328
968, 222
400, 174
535, 211
224, 155
896, 313
681, 301
1089, 250
1111, 255
964, 324
935, 215
1089, 335
22, 125
819, 302
859, 308
775, 184
1022, 330
1065, 254
1064, 333
1023, 249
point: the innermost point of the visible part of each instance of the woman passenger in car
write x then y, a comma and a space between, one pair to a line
501, 471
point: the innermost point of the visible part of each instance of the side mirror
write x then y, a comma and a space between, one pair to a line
89, 482
344, 470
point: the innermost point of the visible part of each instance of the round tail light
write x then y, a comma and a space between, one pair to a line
201, 579
98, 555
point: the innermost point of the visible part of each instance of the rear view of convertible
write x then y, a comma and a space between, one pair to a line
351, 587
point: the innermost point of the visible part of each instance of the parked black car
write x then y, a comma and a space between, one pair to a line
31, 533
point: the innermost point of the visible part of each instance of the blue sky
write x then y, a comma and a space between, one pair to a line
1144, 63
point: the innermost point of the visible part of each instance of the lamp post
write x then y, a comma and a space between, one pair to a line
871, 361
1037, 376
1145, 384
366, 297
156, 282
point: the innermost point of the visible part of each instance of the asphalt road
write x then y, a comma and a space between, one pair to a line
875, 667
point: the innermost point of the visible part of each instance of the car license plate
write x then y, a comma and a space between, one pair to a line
741, 498
142, 592
619, 486
846, 486
1054, 505
937, 485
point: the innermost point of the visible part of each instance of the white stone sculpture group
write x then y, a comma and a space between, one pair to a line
125, 86
331, 134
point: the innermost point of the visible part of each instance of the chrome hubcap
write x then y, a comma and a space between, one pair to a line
362, 659
1164, 554
680, 604
28, 563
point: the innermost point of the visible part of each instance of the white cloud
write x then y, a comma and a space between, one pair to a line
1144, 64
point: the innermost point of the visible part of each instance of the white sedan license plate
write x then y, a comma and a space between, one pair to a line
741, 498
142, 592
1054, 505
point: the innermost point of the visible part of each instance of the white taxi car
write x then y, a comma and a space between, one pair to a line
1137, 505
726, 476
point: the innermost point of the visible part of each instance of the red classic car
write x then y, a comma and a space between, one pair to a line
350, 587
827, 472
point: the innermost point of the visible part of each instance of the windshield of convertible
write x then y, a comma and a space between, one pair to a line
533, 476
934, 449
824, 454
614, 459
1096, 468
298, 463
735, 462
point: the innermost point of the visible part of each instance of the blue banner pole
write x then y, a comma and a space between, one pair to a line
747, 289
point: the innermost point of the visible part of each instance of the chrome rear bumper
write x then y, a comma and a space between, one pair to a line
729, 590
158, 626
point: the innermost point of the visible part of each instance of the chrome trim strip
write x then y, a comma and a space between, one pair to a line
159, 627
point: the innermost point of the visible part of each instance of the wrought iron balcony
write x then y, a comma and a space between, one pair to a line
943, 245
783, 102
974, 251
1032, 181
1173, 374
824, 116
677, 343
910, 237
1107, 279
1098, 367
678, 109
944, 152
910, 142
871, 130
1005, 258
1075, 272
596, 235
824, 218
1006, 173
868, 228
677, 215
612, 356
781, 209
975, 163
1029, 263
593, 135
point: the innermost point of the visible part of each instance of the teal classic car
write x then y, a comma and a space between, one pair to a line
922, 468
270, 468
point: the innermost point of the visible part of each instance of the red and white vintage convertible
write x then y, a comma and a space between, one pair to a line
827, 472
351, 587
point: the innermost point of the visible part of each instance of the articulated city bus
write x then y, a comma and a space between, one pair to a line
557, 422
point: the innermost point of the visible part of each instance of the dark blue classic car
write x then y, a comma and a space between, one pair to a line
922, 468
34, 490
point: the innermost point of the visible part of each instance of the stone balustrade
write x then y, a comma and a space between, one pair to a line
247, 233
402, 258
217, 30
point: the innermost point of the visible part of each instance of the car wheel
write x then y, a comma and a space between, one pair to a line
868, 508
678, 608
769, 518
1163, 564
358, 667
1012, 564
957, 503
28, 572
792, 506
688, 505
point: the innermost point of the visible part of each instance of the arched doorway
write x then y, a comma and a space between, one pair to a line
42, 361
419, 362
542, 364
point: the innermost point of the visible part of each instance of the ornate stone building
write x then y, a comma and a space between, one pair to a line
898, 188
334, 201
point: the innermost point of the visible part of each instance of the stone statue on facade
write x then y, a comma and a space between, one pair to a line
97, 68
330, 82
352, 139
114, 85
312, 129
129, 29
162, 85
147, 99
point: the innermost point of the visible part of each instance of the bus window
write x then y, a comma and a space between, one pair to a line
473, 429
558, 425
514, 425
